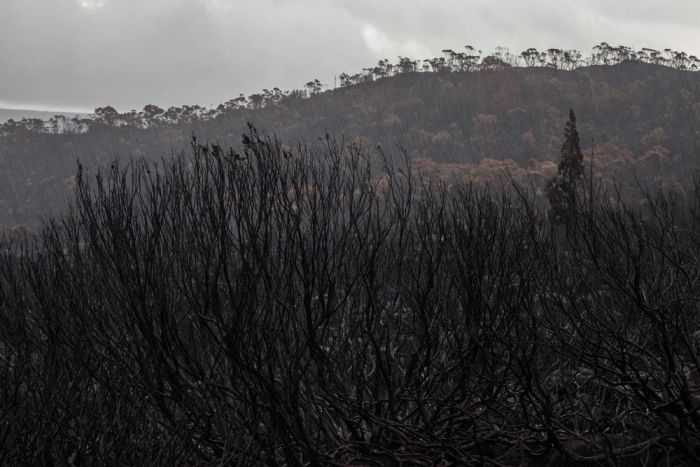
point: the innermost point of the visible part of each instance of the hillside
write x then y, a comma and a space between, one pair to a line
468, 262
637, 119
282, 308
17, 114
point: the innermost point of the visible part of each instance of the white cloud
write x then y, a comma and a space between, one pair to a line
91, 5
384, 46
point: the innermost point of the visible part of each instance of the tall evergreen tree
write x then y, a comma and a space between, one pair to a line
562, 191
571, 163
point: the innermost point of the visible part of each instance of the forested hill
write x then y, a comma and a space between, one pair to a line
637, 119
18, 114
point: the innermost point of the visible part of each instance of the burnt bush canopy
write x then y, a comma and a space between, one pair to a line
325, 304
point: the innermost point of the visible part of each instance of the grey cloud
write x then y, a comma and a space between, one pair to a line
128, 53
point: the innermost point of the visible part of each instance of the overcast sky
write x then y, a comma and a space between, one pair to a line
80, 54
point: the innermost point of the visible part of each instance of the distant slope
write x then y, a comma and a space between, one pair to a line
642, 119
19, 114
